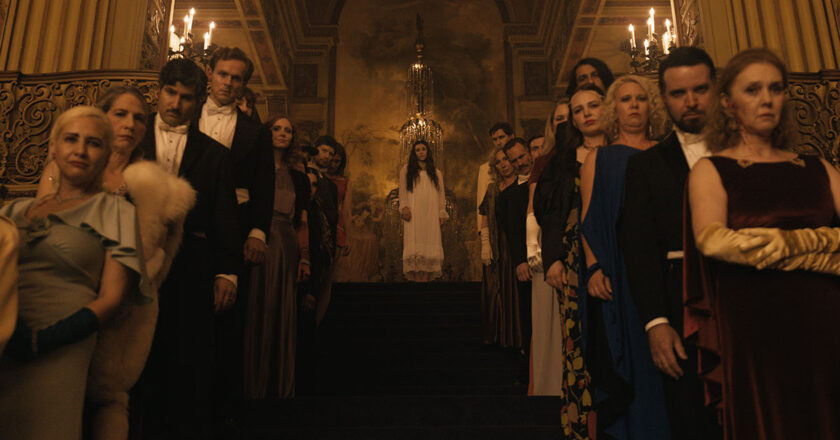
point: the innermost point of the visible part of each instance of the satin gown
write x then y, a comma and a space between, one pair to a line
61, 260
768, 339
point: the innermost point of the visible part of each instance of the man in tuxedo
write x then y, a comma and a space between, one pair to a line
327, 196
651, 235
511, 211
253, 164
177, 383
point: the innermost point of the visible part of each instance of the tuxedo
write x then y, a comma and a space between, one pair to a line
177, 382
253, 174
651, 237
253, 177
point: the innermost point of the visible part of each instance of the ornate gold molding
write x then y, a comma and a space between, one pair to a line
816, 106
30, 103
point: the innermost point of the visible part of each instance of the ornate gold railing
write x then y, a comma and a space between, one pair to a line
30, 103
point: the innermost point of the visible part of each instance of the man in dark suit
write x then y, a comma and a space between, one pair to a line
511, 212
651, 231
253, 164
176, 388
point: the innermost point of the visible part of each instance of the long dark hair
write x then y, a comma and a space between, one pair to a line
413, 171
604, 73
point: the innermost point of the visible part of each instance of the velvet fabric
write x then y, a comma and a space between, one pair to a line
767, 339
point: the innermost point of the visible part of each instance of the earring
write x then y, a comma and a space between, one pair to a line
731, 124
650, 130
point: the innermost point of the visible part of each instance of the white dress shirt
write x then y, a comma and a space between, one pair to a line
170, 143
694, 148
219, 122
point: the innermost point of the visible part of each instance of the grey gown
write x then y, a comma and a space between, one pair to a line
60, 262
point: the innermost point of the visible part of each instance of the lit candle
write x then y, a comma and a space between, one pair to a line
182, 43
632, 37
666, 42
212, 26
667, 26
652, 24
192, 14
186, 25
206, 40
173, 39
647, 43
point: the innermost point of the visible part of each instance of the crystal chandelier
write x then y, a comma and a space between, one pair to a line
419, 90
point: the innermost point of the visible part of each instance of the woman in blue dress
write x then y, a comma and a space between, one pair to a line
628, 398
78, 259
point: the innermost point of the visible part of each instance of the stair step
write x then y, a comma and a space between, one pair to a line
402, 411
550, 432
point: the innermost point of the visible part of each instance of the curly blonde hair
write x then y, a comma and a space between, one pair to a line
657, 119
723, 130
494, 173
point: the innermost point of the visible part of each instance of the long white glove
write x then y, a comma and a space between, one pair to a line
532, 242
486, 252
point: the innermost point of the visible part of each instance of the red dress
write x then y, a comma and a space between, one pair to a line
769, 340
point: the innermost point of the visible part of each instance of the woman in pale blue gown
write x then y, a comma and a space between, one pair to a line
78, 259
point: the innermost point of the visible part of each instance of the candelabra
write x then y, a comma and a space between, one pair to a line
654, 48
184, 46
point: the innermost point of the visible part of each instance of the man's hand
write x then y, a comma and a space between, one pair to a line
599, 286
254, 250
225, 294
405, 213
664, 341
556, 275
523, 272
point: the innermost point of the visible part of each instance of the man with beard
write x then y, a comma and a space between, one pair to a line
511, 211
651, 236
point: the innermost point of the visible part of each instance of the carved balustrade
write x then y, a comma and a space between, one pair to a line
30, 103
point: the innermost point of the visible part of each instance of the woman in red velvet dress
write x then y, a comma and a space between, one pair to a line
766, 319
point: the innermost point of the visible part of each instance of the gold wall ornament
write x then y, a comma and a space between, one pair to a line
815, 98
30, 103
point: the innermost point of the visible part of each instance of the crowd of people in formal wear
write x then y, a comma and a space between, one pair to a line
171, 265
660, 258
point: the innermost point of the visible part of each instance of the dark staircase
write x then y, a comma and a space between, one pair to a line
404, 361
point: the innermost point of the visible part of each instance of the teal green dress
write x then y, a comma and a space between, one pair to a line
61, 258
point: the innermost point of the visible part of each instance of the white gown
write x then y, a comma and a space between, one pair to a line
422, 248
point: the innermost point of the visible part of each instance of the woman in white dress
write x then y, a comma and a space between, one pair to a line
423, 208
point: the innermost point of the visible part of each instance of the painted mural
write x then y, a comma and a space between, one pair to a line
463, 46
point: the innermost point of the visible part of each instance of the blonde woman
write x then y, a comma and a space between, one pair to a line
79, 259
629, 387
